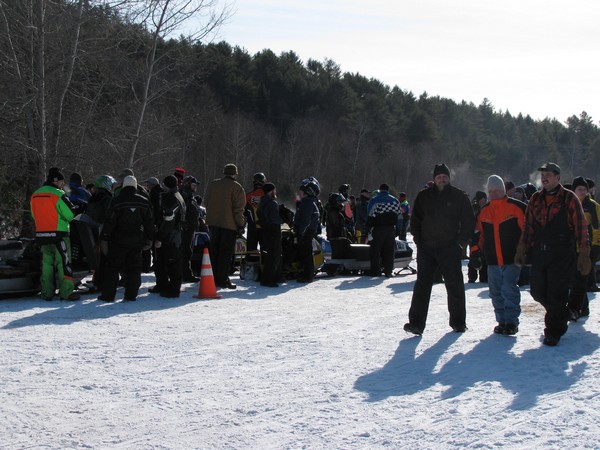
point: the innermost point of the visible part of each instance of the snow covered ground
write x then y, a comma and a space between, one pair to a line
325, 365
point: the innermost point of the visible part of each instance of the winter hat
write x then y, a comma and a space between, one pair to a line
402, 196
550, 167
153, 181
130, 181
76, 178
480, 195
170, 182
179, 173
190, 180
384, 187
364, 191
268, 187
54, 175
590, 183
579, 181
125, 173
230, 169
495, 182
508, 185
441, 169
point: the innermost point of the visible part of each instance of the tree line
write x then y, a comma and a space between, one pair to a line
97, 86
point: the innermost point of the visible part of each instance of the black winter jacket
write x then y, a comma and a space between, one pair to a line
129, 222
307, 215
442, 217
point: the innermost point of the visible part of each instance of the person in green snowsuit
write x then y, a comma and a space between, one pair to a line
52, 211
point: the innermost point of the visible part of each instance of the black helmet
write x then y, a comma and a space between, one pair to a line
311, 186
344, 188
260, 177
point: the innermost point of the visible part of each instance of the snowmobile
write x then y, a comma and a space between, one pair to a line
351, 258
249, 262
20, 261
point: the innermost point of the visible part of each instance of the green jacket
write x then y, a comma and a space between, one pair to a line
52, 212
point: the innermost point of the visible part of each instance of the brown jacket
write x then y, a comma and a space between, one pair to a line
225, 200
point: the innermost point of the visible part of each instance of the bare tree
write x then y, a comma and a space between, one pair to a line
164, 18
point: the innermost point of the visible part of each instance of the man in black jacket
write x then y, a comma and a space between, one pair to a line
306, 225
189, 227
168, 241
127, 230
442, 223
268, 214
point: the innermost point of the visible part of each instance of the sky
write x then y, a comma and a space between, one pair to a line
536, 57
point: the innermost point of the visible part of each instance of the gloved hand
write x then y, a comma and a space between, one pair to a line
584, 263
521, 255
475, 260
104, 247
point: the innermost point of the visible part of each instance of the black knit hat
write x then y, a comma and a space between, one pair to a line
170, 181
268, 187
579, 181
441, 169
54, 175
76, 178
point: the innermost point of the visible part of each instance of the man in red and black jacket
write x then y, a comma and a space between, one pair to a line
498, 229
556, 234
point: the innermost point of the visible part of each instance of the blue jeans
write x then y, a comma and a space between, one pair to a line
505, 292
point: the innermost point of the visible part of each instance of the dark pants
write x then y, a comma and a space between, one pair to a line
271, 249
167, 268
473, 273
382, 249
578, 298
305, 256
551, 275
187, 237
253, 238
222, 249
125, 261
448, 260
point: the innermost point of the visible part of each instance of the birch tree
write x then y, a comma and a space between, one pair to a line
162, 19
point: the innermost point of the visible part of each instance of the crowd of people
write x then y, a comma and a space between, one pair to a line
547, 237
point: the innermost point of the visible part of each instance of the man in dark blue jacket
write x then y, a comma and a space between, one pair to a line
383, 211
306, 224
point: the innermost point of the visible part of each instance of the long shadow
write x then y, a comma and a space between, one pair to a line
66, 313
405, 373
535, 372
359, 282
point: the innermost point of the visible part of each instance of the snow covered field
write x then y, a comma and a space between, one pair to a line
325, 365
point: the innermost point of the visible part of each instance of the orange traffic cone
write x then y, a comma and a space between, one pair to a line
207, 288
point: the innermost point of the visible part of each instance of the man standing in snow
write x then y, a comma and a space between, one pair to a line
225, 202
383, 211
268, 214
52, 212
498, 229
442, 223
128, 229
554, 226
